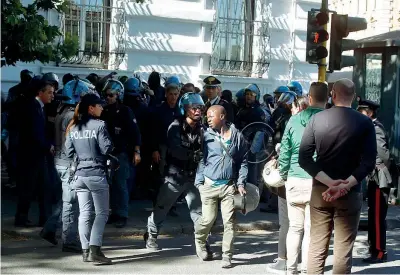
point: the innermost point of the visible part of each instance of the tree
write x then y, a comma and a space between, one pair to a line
27, 36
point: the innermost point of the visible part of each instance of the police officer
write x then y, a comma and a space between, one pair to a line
296, 87
282, 113
88, 138
67, 207
379, 183
183, 154
125, 135
162, 116
134, 99
252, 111
212, 87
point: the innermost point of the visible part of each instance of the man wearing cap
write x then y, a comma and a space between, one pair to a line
378, 189
212, 87
224, 165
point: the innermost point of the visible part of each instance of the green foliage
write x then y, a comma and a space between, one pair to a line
27, 36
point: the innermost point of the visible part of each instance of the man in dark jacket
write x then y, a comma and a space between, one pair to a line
345, 143
212, 88
378, 188
162, 118
33, 149
20, 88
224, 164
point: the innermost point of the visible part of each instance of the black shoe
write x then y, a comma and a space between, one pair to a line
49, 236
112, 219
121, 222
71, 247
97, 257
23, 223
85, 255
374, 259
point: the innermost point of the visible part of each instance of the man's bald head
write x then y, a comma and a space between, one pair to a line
216, 115
217, 109
343, 91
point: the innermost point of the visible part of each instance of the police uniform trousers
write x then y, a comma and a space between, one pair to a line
210, 197
66, 210
93, 195
377, 210
119, 191
167, 196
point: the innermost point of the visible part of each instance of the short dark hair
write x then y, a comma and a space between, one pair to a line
188, 85
319, 91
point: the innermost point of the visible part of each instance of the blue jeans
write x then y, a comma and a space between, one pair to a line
93, 192
66, 210
119, 191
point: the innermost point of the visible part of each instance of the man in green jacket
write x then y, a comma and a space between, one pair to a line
298, 182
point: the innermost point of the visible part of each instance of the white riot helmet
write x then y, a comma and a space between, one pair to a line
248, 202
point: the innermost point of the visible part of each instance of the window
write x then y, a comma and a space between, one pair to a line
235, 35
91, 21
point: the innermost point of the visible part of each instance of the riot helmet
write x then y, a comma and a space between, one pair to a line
296, 87
75, 89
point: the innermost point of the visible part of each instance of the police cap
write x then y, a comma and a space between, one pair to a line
368, 104
211, 82
91, 99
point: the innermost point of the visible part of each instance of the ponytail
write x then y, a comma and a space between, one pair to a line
75, 119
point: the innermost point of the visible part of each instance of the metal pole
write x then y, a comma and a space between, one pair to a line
322, 65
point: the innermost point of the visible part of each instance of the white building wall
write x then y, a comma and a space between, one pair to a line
174, 37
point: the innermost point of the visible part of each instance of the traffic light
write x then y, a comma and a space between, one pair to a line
341, 26
316, 35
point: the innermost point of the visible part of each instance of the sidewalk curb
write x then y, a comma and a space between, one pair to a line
112, 232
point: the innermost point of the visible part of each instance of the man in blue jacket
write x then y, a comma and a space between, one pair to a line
224, 166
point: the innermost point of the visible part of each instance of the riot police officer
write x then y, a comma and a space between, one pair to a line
67, 206
134, 99
183, 154
379, 183
88, 138
252, 111
125, 134
295, 87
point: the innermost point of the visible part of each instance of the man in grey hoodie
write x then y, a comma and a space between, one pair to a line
224, 166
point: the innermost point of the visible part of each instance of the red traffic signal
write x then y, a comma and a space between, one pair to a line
316, 35
319, 36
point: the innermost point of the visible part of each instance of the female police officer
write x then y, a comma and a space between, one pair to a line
87, 137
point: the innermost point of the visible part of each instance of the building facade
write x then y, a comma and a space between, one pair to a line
240, 41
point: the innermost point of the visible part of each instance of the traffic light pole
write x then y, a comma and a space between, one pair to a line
322, 64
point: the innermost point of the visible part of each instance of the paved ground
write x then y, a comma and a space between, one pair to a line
253, 250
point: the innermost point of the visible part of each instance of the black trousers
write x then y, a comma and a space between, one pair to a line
377, 211
33, 182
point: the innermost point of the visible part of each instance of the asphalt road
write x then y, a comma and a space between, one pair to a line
253, 250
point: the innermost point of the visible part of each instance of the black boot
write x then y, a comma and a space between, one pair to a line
85, 255
97, 256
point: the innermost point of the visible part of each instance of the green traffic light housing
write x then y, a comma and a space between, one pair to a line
341, 26
316, 35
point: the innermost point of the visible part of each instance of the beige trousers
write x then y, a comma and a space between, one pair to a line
210, 195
